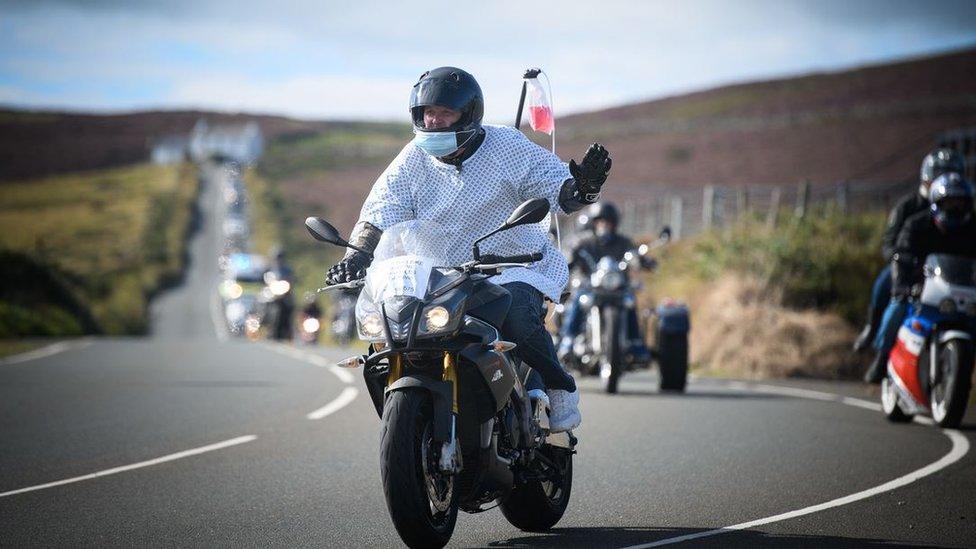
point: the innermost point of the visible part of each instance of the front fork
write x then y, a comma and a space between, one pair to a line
450, 456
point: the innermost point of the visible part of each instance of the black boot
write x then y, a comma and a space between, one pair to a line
865, 338
878, 369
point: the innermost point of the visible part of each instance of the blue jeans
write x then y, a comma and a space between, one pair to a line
573, 321
523, 326
880, 296
893, 317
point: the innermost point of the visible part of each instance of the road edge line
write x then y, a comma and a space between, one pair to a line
46, 351
960, 447
148, 463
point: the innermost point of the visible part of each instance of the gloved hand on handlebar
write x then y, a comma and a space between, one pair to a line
591, 173
352, 267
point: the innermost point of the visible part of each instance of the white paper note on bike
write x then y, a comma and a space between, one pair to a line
402, 275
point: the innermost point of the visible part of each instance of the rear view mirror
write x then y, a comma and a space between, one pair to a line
530, 211
665, 234
320, 229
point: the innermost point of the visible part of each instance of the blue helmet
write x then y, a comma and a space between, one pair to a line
951, 199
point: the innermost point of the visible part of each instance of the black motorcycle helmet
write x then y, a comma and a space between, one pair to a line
603, 210
936, 163
952, 201
455, 89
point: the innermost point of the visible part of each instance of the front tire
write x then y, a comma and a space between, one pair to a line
536, 506
889, 403
421, 500
949, 396
611, 363
673, 361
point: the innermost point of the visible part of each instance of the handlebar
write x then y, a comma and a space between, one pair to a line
524, 258
351, 285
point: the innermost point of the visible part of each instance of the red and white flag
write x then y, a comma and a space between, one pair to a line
540, 111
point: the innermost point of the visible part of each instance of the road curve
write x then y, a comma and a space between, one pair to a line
204, 442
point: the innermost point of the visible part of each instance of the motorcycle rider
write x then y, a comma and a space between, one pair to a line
948, 227
280, 270
601, 240
936, 163
468, 177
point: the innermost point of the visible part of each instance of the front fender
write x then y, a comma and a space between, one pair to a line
954, 334
441, 394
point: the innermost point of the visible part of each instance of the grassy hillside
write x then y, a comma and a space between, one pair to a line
872, 124
83, 253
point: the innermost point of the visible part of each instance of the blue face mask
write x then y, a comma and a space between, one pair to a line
438, 144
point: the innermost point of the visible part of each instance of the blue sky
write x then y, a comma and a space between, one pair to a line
352, 60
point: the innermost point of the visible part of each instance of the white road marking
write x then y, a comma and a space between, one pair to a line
141, 464
960, 446
216, 318
867, 405
46, 351
317, 360
345, 397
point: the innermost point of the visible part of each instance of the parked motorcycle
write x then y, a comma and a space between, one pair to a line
460, 427
930, 367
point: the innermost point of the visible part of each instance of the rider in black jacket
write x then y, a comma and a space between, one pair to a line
603, 240
949, 227
934, 164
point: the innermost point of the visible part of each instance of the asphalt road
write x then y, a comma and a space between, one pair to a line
192, 440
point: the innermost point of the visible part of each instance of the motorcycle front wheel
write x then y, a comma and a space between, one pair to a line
950, 393
420, 498
611, 363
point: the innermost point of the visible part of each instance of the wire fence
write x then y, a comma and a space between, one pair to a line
691, 210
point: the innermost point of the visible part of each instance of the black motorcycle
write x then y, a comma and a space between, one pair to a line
606, 300
460, 428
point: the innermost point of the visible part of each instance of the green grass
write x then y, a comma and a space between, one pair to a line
826, 261
113, 237
341, 146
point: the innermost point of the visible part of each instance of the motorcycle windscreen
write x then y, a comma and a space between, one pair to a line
405, 259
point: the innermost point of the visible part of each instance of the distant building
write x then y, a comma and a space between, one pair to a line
168, 150
241, 143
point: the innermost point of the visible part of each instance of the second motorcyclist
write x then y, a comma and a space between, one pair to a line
948, 227
468, 177
936, 163
602, 240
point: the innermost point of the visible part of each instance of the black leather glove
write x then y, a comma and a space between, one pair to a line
352, 267
591, 173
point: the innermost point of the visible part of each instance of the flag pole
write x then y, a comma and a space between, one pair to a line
529, 73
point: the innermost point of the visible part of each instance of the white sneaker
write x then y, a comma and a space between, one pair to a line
564, 410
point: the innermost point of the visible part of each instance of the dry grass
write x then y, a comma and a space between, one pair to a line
740, 329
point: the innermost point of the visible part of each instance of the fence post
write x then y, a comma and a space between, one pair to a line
802, 199
843, 196
741, 201
677, 206
773, 212
708, 207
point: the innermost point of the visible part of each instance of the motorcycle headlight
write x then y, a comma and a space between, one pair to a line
231, 290
947, 306
371, 325
280, 287
610, 280
437, 318
310, 325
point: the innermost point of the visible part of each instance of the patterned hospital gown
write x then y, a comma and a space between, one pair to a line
505, 171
